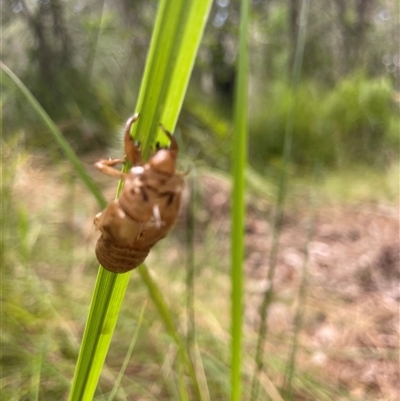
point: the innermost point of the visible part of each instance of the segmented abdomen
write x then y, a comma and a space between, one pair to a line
119, 259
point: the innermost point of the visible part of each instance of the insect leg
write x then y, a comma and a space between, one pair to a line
132, 151
96, 220
105, 166
174, 144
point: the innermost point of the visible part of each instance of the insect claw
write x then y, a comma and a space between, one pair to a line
174, 144
132, 147
131, 120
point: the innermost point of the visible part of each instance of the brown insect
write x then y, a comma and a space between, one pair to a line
147, 208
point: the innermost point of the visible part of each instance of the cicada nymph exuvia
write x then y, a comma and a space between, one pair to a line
147, 208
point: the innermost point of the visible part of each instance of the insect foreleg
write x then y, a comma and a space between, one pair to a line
174, 144
132, 151
105, 166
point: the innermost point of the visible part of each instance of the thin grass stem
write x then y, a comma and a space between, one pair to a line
128, 355
169, 324
190, 263
282, 190
239, 155
94, 44
301, 303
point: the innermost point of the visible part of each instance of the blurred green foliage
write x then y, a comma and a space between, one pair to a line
356, 121
83, 62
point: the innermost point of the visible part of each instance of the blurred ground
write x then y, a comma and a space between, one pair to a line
350, 333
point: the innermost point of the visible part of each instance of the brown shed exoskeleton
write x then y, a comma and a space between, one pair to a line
147, 208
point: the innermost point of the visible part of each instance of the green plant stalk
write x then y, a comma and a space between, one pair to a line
158, 73
64, 145
182, 385
239, 151
168, 44
164, 85
298, 61
106, 302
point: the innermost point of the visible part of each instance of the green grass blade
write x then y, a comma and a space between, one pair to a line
106, 302
169, 324
176, 37
301, 303
281, 198
190, 262
36, 374
128, 355
159, 301
179, 28
58, 136
238, 204
197, 16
